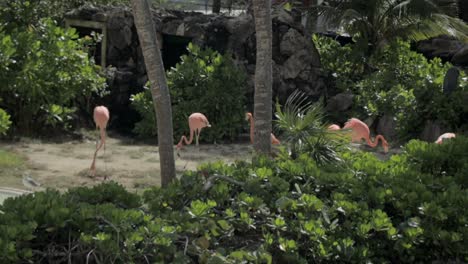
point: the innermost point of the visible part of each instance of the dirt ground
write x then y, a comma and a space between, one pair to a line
136, 166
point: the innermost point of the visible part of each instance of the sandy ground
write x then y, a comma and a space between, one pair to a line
136, 166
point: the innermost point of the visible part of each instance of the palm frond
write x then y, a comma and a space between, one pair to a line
379, 21
301, 123
437, 25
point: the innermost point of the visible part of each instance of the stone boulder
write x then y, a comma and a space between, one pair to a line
461, 56
340, 102
431, 131
446, 48
386, 126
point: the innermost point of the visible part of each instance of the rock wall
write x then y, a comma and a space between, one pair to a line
296, 63
447, 48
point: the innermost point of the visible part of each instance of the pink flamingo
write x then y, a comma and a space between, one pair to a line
197, 121
361, 131
101, 117
333, 127
249, 117
443, 137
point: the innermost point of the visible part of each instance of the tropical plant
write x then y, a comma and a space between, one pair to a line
408, 209
159, 88
45, 66
343, 65
4, 122
303, 129
25, 13
204, 81
408, 87
373, 24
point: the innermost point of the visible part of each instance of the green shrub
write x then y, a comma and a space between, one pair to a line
206, 82
47, 73
49, 225
343, 65
302, 124
4, 122
409, 209
24, 13
409, 87
398, 82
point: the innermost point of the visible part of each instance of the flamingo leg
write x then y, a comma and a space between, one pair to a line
197, 135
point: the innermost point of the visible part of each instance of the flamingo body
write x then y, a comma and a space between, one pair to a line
196, 121
333, 127
101, 117
359, 131
249, 117
443, 137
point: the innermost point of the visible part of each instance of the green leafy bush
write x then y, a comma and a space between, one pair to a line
343, 65
409, 87
206, 82
24, 13
4, 122
304, 130
409, 209
53, 227
47, 72
398, 82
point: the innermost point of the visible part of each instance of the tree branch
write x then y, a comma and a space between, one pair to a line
210, 181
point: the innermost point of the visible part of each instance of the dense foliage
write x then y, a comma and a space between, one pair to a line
373, 24
23, 13
303, 130
409, 209
4, 122
45, 71
206, 82
398, 82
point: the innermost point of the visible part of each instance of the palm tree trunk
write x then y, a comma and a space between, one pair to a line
216, 8
263, 76
159, 90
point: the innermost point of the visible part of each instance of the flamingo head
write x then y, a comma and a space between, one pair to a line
248, 116
385, 145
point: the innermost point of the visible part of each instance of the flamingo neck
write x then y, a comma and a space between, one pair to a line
190, 139
376, 141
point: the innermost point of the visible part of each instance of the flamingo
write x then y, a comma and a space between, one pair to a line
249, 117
101, 117
333, 127
197, 121
443, 137
361, 131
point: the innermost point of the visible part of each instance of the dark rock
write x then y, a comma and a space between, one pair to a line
443, 47
461, 56
340, 102
451, 80
291, 42
296, 63
386, 126
431, 131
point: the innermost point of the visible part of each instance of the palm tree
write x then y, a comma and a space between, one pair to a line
304, 131
377, 22
159, 90
263, 76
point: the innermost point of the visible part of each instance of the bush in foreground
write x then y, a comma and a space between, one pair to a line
409, 209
